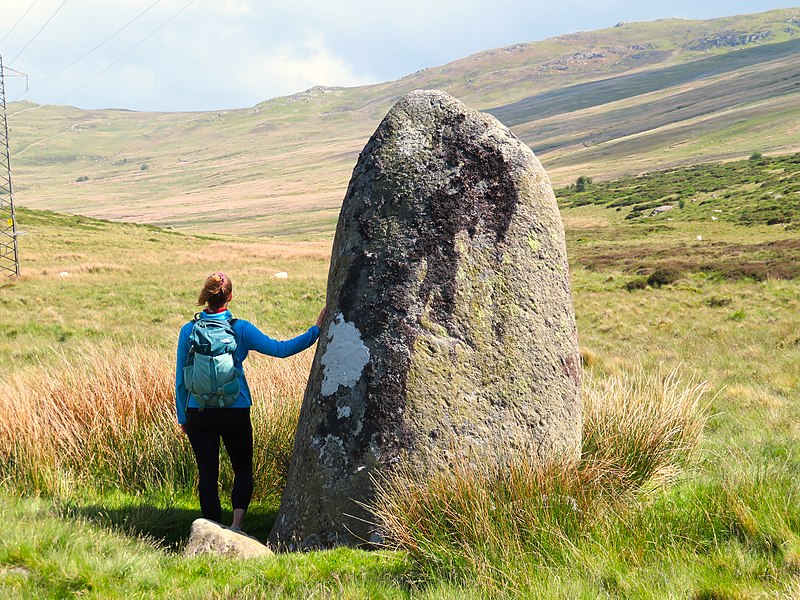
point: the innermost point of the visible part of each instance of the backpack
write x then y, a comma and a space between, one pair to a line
209, 373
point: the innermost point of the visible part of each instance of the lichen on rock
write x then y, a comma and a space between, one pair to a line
344, 358
451, 329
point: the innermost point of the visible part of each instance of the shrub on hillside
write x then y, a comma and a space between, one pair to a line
637, 283
739, 183
663, 276
582, 183
718, 301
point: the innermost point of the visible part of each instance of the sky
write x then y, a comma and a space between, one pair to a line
189, 55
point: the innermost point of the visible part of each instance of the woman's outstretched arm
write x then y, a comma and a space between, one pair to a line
256, 340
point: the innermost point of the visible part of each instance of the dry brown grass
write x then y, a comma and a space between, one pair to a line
107, 417
83, 268
646, 424
274, 250
484, 514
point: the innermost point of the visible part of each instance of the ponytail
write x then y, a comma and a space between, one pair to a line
216, 291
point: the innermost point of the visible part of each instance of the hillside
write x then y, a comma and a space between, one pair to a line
614, 102
759, 190
723, 525
85, 281
727, 221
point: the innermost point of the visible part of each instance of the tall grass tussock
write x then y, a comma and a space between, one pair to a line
490, 520
647, 425
106, 418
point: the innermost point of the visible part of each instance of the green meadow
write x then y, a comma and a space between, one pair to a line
689, 326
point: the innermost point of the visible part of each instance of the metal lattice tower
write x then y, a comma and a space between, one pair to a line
9, 254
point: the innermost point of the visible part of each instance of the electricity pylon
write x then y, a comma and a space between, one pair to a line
9, 254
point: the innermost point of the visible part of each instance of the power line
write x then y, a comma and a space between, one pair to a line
25, 14
96, 75
103, 43
38, 32
142, 41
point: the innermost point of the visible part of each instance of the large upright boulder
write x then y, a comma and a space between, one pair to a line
450, 328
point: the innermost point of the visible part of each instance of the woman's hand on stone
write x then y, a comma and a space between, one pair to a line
321, 317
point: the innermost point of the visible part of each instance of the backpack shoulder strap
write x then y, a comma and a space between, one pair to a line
232, 323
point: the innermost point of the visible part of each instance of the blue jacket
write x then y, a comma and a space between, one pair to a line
248, 337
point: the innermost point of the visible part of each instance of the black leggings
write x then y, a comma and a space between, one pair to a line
204, 429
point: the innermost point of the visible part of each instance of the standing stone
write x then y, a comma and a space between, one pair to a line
450, 328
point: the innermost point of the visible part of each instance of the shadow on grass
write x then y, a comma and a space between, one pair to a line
166, 526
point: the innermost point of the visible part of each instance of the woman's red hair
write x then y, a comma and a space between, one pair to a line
216, 291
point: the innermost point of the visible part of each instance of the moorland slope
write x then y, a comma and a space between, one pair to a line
619, 101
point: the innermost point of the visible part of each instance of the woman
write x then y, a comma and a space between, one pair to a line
231, 423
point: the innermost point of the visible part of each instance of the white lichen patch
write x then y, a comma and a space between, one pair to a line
343, 412
344, 358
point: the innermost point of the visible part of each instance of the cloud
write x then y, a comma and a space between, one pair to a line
118, 85
235, 53
292, 68
231, 8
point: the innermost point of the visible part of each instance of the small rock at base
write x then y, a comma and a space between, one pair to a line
208, 537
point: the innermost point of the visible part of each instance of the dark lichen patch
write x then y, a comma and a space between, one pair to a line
461, 186
479, 197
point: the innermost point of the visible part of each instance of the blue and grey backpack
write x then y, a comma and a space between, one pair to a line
209, 373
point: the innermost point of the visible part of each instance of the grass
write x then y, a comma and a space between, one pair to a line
104, 419
110, 271
45, 555
724, 525
646, 425
100, 441
491, 520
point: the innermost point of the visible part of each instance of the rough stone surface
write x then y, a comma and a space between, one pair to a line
208, 537
450, 328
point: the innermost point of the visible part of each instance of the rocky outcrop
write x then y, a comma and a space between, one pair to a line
208, 537
450, 329
729, 38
